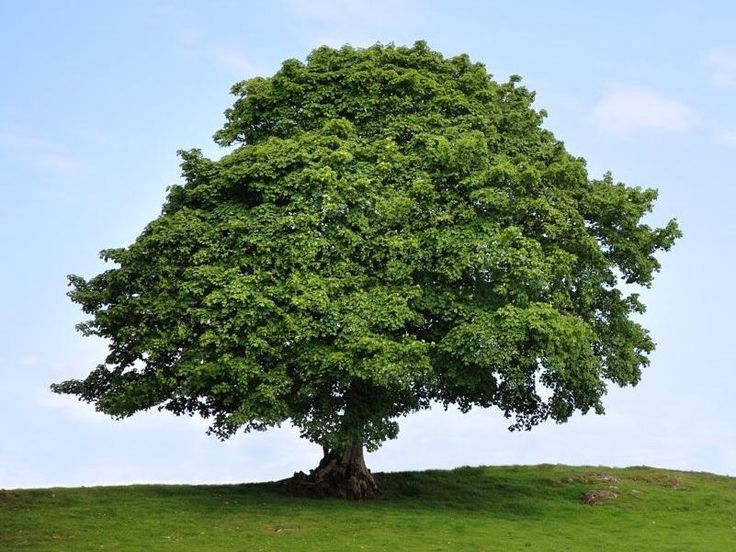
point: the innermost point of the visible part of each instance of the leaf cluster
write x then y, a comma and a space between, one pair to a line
392, 228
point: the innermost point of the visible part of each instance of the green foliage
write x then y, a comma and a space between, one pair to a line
497, 508
392, 228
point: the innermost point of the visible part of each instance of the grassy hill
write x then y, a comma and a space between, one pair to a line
490, 508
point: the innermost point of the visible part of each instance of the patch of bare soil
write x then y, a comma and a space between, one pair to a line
592, 478
9, 496
598, 497
674, 483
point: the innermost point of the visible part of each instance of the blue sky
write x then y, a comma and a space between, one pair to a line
96, 98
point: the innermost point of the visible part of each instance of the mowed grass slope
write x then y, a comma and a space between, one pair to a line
488, 508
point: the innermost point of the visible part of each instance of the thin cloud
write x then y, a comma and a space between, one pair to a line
721, 67
627, 110
191, 37
196, 41
169, 11
29, 149
327, 11
230, 57
727, 137
364, 12
70, 407
359, 23
89, 134
338, 40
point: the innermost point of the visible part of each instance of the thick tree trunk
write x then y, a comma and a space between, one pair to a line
340, 474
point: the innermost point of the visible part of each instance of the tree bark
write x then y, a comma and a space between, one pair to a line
340, 474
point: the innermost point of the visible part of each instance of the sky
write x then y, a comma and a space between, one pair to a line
97, 97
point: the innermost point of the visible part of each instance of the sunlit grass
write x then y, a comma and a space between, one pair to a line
489, 508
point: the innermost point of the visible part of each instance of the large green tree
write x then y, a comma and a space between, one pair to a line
392, 228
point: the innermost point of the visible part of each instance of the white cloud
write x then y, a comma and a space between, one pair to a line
627, 110
721, 67
69, 407
40, 153
402, 12
230, 57
190, 37
360, 23
727, 137
28, 360
89, 134
340, 39
169, 11
196, 41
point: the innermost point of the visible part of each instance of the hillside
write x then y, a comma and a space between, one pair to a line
488, 508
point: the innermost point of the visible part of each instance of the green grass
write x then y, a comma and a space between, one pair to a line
493, 508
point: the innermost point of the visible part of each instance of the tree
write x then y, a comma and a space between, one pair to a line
392, 228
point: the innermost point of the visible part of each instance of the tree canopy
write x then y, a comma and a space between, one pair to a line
391, 228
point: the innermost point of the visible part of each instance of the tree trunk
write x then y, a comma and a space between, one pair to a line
340, 474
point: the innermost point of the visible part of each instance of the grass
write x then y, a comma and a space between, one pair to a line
488, 508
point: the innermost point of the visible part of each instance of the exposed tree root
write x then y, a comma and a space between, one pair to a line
341, 475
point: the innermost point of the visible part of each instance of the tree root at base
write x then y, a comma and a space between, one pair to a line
339, 475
